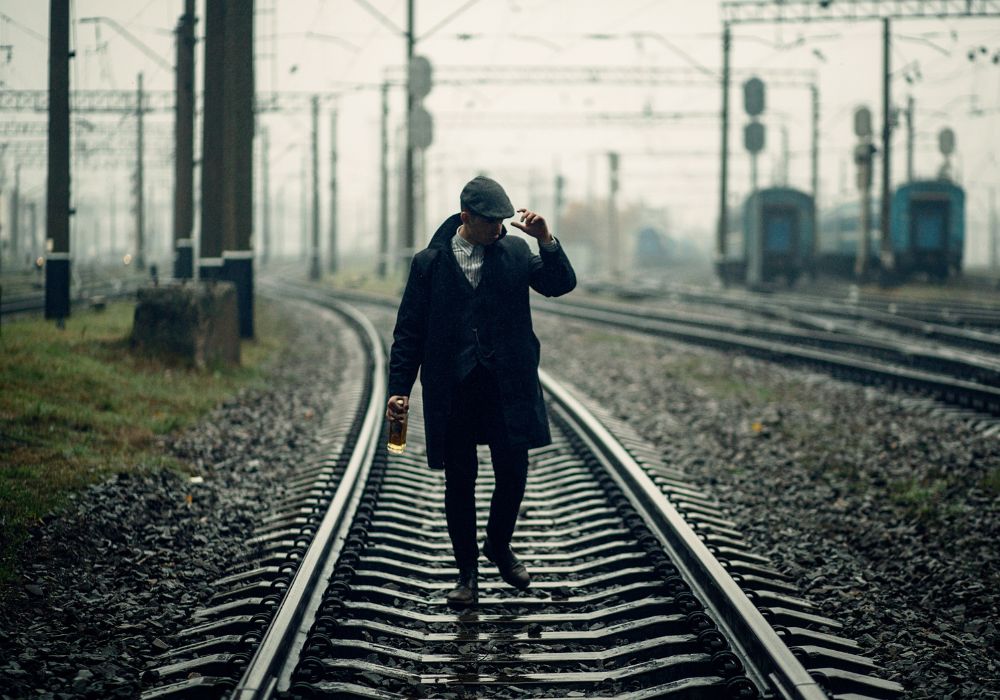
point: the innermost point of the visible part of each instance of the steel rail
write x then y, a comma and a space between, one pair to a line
882, 309
950, 361
950, 389
35, 303
269, 669
744, 623
930, 321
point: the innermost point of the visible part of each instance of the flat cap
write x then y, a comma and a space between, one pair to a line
486, 197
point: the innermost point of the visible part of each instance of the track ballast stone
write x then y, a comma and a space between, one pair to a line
106, 582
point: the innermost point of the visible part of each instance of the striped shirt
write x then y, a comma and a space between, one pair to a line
470, 257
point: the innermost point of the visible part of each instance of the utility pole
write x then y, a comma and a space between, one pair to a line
303, 210
265, 186
184, 143
212, 149
113, 223
15, 218
314, 272
784, 155
280, 240
814, 165
614, 252
383, 200
140, 243
237, 156
994, 232
909, 138
720, 248
36, 248
755, 231
419, 196
3, 181
409, 217
560, 186
57, 208
863, 153
332, 262
886, 247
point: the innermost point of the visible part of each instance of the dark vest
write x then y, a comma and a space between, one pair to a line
475, 345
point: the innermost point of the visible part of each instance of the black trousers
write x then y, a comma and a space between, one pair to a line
476, 418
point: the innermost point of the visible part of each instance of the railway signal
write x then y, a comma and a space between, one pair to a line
753, 141
419, 84
946, 144
753, 97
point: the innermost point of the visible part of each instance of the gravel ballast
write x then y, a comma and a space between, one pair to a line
883, 509
105, 583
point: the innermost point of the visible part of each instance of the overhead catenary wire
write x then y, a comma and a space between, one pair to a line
385, 21
447, 19
24, 28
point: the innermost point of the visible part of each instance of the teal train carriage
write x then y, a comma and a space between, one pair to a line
927, 226
780, 221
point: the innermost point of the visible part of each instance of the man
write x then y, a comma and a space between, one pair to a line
465, 323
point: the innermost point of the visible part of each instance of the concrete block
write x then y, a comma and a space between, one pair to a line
195, 322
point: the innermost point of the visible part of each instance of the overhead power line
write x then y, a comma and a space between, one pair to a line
614, 75
123, 101
24, 28
373, 11
749, 11
159, 60
563, 119
448, 19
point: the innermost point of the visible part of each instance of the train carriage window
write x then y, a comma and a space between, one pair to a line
928, 224
780, 230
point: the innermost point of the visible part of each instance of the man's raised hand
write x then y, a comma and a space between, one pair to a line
534, 225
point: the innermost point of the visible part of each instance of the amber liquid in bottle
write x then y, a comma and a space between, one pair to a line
397, 434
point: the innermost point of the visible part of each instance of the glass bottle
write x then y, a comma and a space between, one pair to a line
397, 432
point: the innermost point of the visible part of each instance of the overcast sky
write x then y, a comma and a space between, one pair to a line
524, 133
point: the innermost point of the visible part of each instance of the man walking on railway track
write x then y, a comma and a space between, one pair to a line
465, 323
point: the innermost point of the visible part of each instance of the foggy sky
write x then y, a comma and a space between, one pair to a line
524, 134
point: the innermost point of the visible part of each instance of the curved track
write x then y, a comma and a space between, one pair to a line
641, 588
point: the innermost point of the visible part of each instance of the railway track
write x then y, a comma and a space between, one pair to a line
956, 323
968, 381
978, 366
642, 588
89, 294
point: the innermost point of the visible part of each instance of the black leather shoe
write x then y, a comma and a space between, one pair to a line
511, 569
466, 591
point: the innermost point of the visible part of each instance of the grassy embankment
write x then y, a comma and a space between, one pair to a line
362, 279
77, 406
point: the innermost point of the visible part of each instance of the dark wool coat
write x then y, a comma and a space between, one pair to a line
426, 337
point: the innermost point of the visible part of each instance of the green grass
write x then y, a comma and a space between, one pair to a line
923, 498
77, 406
364, 279
723, 383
